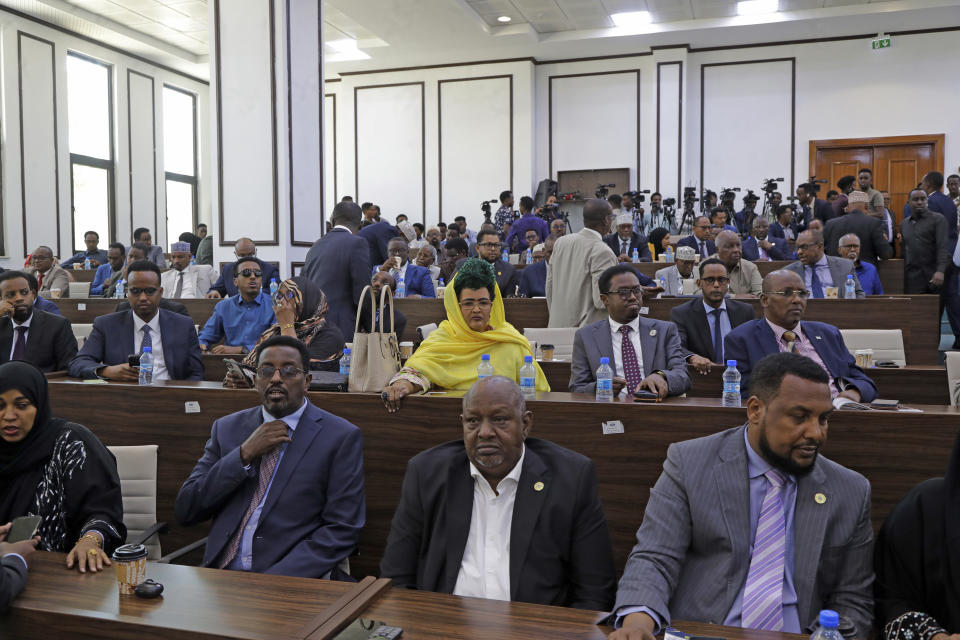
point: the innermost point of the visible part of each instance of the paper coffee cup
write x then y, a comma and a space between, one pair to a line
77, 266
55, 293
546, 351
406, 349
831, 292
130, 561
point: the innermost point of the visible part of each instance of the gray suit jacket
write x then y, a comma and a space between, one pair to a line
839, 268
693, 548
573, 295
673, 280
660, 351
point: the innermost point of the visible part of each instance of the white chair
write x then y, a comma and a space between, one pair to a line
561, 339
137, 467
81, 332
425, 330
953, 377
887, 344
79, 289
513, 258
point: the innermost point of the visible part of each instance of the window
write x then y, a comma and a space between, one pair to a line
90, 123
180, 160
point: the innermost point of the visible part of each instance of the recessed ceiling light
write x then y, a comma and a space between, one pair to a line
504, 19
347, 45
631, 18
755, 7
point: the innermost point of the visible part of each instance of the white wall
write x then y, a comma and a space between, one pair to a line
45, 171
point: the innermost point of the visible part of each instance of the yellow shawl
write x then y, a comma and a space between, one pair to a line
449, 357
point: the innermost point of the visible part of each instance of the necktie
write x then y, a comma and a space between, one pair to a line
631, 367
268, 465
623, 248
147, 339
703, 249
179, 290
815, 283
763, 592
790, 338
39, 281
717, 338
20, 345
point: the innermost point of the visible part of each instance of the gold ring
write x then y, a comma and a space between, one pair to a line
93, 552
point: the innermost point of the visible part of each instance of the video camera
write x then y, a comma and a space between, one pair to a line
813, 182
770, 185
485, 207
603, 190
637, 196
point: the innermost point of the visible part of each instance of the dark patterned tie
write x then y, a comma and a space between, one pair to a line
815, 283
763, 592
147, 339
20, 345
631, 366
623, 248
703, 250
717, 338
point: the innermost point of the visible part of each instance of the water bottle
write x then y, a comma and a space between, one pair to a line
829, 626
505, 256
604, 381
345, 362
731, 385
86, 263
146, 366
119, 291
669, 254
485, 370
529, 256
401, 286
850, 289
274, 286
528, 378
636, 255
193, 261
440, 283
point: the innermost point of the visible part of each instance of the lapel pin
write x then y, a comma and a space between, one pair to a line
538, 486
653, 332
820, 498
817, 337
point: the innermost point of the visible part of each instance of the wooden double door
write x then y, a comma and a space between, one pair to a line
898, 163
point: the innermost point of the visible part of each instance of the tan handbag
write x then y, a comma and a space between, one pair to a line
375, 356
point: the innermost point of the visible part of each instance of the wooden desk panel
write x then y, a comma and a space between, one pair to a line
82, 275
199, 309
895, 451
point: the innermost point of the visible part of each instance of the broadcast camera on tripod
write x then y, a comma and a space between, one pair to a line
769, 187
603, 190
485, 207
666, 212
689, 213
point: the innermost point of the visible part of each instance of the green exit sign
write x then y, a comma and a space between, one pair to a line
880, 43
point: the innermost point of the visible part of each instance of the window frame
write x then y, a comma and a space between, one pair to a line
193, 180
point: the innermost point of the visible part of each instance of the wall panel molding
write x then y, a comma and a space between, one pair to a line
660, 97
333, 141
130, 155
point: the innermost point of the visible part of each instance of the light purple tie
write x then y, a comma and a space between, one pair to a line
763, 593
631, 366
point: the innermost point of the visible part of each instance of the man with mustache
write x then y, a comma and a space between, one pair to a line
43, 339
283, 482
751, 527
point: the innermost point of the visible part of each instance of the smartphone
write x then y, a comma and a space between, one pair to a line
24, 528
644, 395
134, 360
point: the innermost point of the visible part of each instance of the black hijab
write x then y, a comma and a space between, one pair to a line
656, 239
193, 239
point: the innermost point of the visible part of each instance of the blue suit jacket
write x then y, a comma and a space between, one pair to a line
378, 235
533, 280
339, 263
780, 251
419, 282
776, 231
692, 242
315, 508
111, 342
226, 286
753, 340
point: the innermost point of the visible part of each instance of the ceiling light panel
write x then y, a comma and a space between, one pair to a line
757, 7
632, 19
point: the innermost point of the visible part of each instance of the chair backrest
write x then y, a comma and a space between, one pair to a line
887, 344
79, 289
514, 258
425, 330
137, 467
561, 339
953, 376
81, 332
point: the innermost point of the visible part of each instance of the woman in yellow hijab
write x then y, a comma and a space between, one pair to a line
476, 324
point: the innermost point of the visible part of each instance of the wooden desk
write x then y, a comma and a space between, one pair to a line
895, 451
82, 275
214, 370
199, 309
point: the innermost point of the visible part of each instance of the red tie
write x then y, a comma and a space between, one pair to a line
39, 281
631, 367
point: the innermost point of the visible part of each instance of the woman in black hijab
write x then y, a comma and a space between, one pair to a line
917, 561
57, 470
656, 239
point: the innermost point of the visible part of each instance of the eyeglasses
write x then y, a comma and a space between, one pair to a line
715, 280
626, 294
849, 246
789, 293
256, 273
136, 291
490, 245
804, 247
287, 371
482, 303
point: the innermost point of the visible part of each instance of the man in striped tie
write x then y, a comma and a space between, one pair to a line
751, 527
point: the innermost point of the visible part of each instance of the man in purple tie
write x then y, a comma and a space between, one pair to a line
751, 527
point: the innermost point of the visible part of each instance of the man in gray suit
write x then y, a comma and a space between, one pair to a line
750, 527
820, 271
672, 277
644, 353
575, 267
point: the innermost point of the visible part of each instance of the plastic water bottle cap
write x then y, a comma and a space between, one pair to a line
604, 360
346, 351
528, 359
148, 350
829, 619
485, 357
731, 363
849, 276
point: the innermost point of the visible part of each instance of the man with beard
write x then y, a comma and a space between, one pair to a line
751, 527
43, 339
283, 482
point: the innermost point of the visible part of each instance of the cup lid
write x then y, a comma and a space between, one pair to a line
129, 552
546, 346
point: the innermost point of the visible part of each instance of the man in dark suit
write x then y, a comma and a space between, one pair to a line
339, 263
416, 280
645, 354
13, 566
700, 240
488, 248
500, 515
820, 271
378, 235
762, 245
226, 284
26, 333
784, 301
812, 206
783, 226
890, 229
533, 278
625, 240
171, 337
704, 322
283, 482
873, 246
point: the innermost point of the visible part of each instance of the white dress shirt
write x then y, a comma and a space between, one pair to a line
485, 568
26, 334
159, 366
617, 338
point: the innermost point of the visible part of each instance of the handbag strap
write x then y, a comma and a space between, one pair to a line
373, 309
386, 297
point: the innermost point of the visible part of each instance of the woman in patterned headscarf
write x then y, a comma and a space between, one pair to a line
301, 310
57, 470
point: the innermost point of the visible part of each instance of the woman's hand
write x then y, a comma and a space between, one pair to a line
286, 312
235, 380
87, 555
393, 393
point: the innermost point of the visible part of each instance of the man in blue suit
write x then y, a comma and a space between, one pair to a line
283, 482
761, 245
226, 284
339, 263
416, 280
784, 301
171, 336
533, 278
700, 240
812, 206
783, 226
378, 235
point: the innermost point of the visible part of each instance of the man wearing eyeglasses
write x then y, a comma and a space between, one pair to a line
825, 276
849, 248
49, 276
239, 320
784, 301
283, 482
115, 337
489, 248
185, 280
